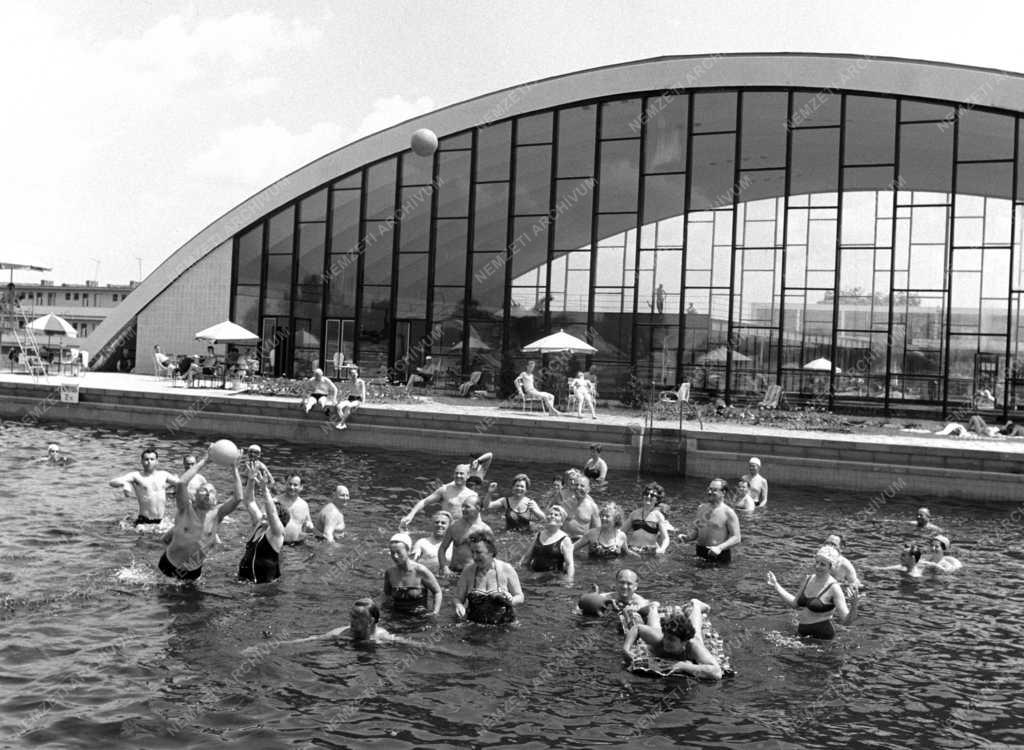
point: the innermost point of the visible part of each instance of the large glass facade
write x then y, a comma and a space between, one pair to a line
858, 250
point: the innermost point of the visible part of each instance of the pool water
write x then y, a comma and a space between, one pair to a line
100, 650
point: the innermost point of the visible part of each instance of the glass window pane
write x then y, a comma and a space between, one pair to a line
868, 178
311, 253
380, 195
247, 307
415, 215
453, 184
815, 108
664, 196
353, 181
714, 112
281, 231
870, 136
714, 160
493, 145
574, 201
763, 141
576, 129
620, 169
926, 157
815, 162
345, 221
412, 285
342, 275
991, 180
459, 140
314, 208
450, 256
755, 186
911, 110
379, 242
277, 290
533, 179
373, 328
491, 224
666, 117
529, 246
534, 128
488, 282
620, 119
984, 135
248, 265
416, 170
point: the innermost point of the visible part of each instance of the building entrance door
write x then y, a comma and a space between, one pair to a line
274, 347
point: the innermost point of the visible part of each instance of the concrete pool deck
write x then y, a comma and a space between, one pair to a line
881, 465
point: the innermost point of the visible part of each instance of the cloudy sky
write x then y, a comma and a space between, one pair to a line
130, 125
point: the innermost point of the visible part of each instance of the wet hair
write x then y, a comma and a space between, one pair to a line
211, 491
618, 576
368, 606
655, 488
913, 550
474, 481
295, 475
444, 513
524, 478
150, 449
487, 538
596, 447
842, 542
679, 626
583, 481
615, 512
560, 509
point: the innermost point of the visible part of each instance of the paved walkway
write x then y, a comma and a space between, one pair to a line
483, 408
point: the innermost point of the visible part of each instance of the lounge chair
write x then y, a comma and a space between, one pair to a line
680, 395
773, 397
469, 385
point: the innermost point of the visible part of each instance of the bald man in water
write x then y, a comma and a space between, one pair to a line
149, 486
451, 495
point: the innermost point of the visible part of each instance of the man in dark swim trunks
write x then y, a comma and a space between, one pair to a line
716, 528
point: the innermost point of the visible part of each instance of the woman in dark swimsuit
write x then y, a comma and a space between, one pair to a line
646, 527
407, 583
596, 470
488, 588
552, 548
814, 611
609, 540
260, 561
519, 509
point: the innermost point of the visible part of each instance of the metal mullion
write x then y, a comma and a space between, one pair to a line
467, 297
642, 174
428, 313
729, 344
396, 244
552, 219
1007, 380
787, 188
324, 278
360, 263
687, 190
289, 357
506, 325
837, 272
897, 182
594, 213
948, 260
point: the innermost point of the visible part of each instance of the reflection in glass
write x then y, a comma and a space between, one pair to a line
249, 261
576, 131
666, 117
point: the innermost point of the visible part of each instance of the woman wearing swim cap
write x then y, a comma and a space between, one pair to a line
820, 596
407, 583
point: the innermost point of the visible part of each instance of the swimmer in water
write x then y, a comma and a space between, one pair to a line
716, 528
457, 537
260, 562
923, 521
756, 482
551, 548
814, 611
488, 588
938, 547
198, 480
744, 500
451, 495
625, 594
149, 486
254, 468
646, 526
408, 584
425, 549
330, 521
364, 627
298, 510
195, 527
678, 638
54, 456
609, 540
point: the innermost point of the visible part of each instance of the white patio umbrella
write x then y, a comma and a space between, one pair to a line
227, 333
560, 342
820, 365
720, 355
53, 325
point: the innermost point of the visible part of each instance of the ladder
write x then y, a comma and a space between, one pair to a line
28, 347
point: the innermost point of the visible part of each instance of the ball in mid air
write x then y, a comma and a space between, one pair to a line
423, 142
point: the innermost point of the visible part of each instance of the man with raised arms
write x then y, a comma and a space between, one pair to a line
149, 486
195, 527
451, 495
716, 528
299, 521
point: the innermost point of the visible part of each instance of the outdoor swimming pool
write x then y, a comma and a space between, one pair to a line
99, 650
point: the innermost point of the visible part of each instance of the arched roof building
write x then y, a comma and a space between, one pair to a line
722, 220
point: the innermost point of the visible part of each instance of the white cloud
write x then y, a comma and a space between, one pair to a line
255, 88
391, 111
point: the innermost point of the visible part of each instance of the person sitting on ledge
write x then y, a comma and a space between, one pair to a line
322, 392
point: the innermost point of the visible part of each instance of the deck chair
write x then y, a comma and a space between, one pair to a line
772, 398
681, 395
526, 400
469, 385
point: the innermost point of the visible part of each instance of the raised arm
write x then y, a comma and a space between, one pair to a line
275, 529
407, 519
181, 498
663, 537
225, 509
124, 482
442, 550
483, 463
787, 597
570, 563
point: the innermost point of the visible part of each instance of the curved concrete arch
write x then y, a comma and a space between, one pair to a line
966, 86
